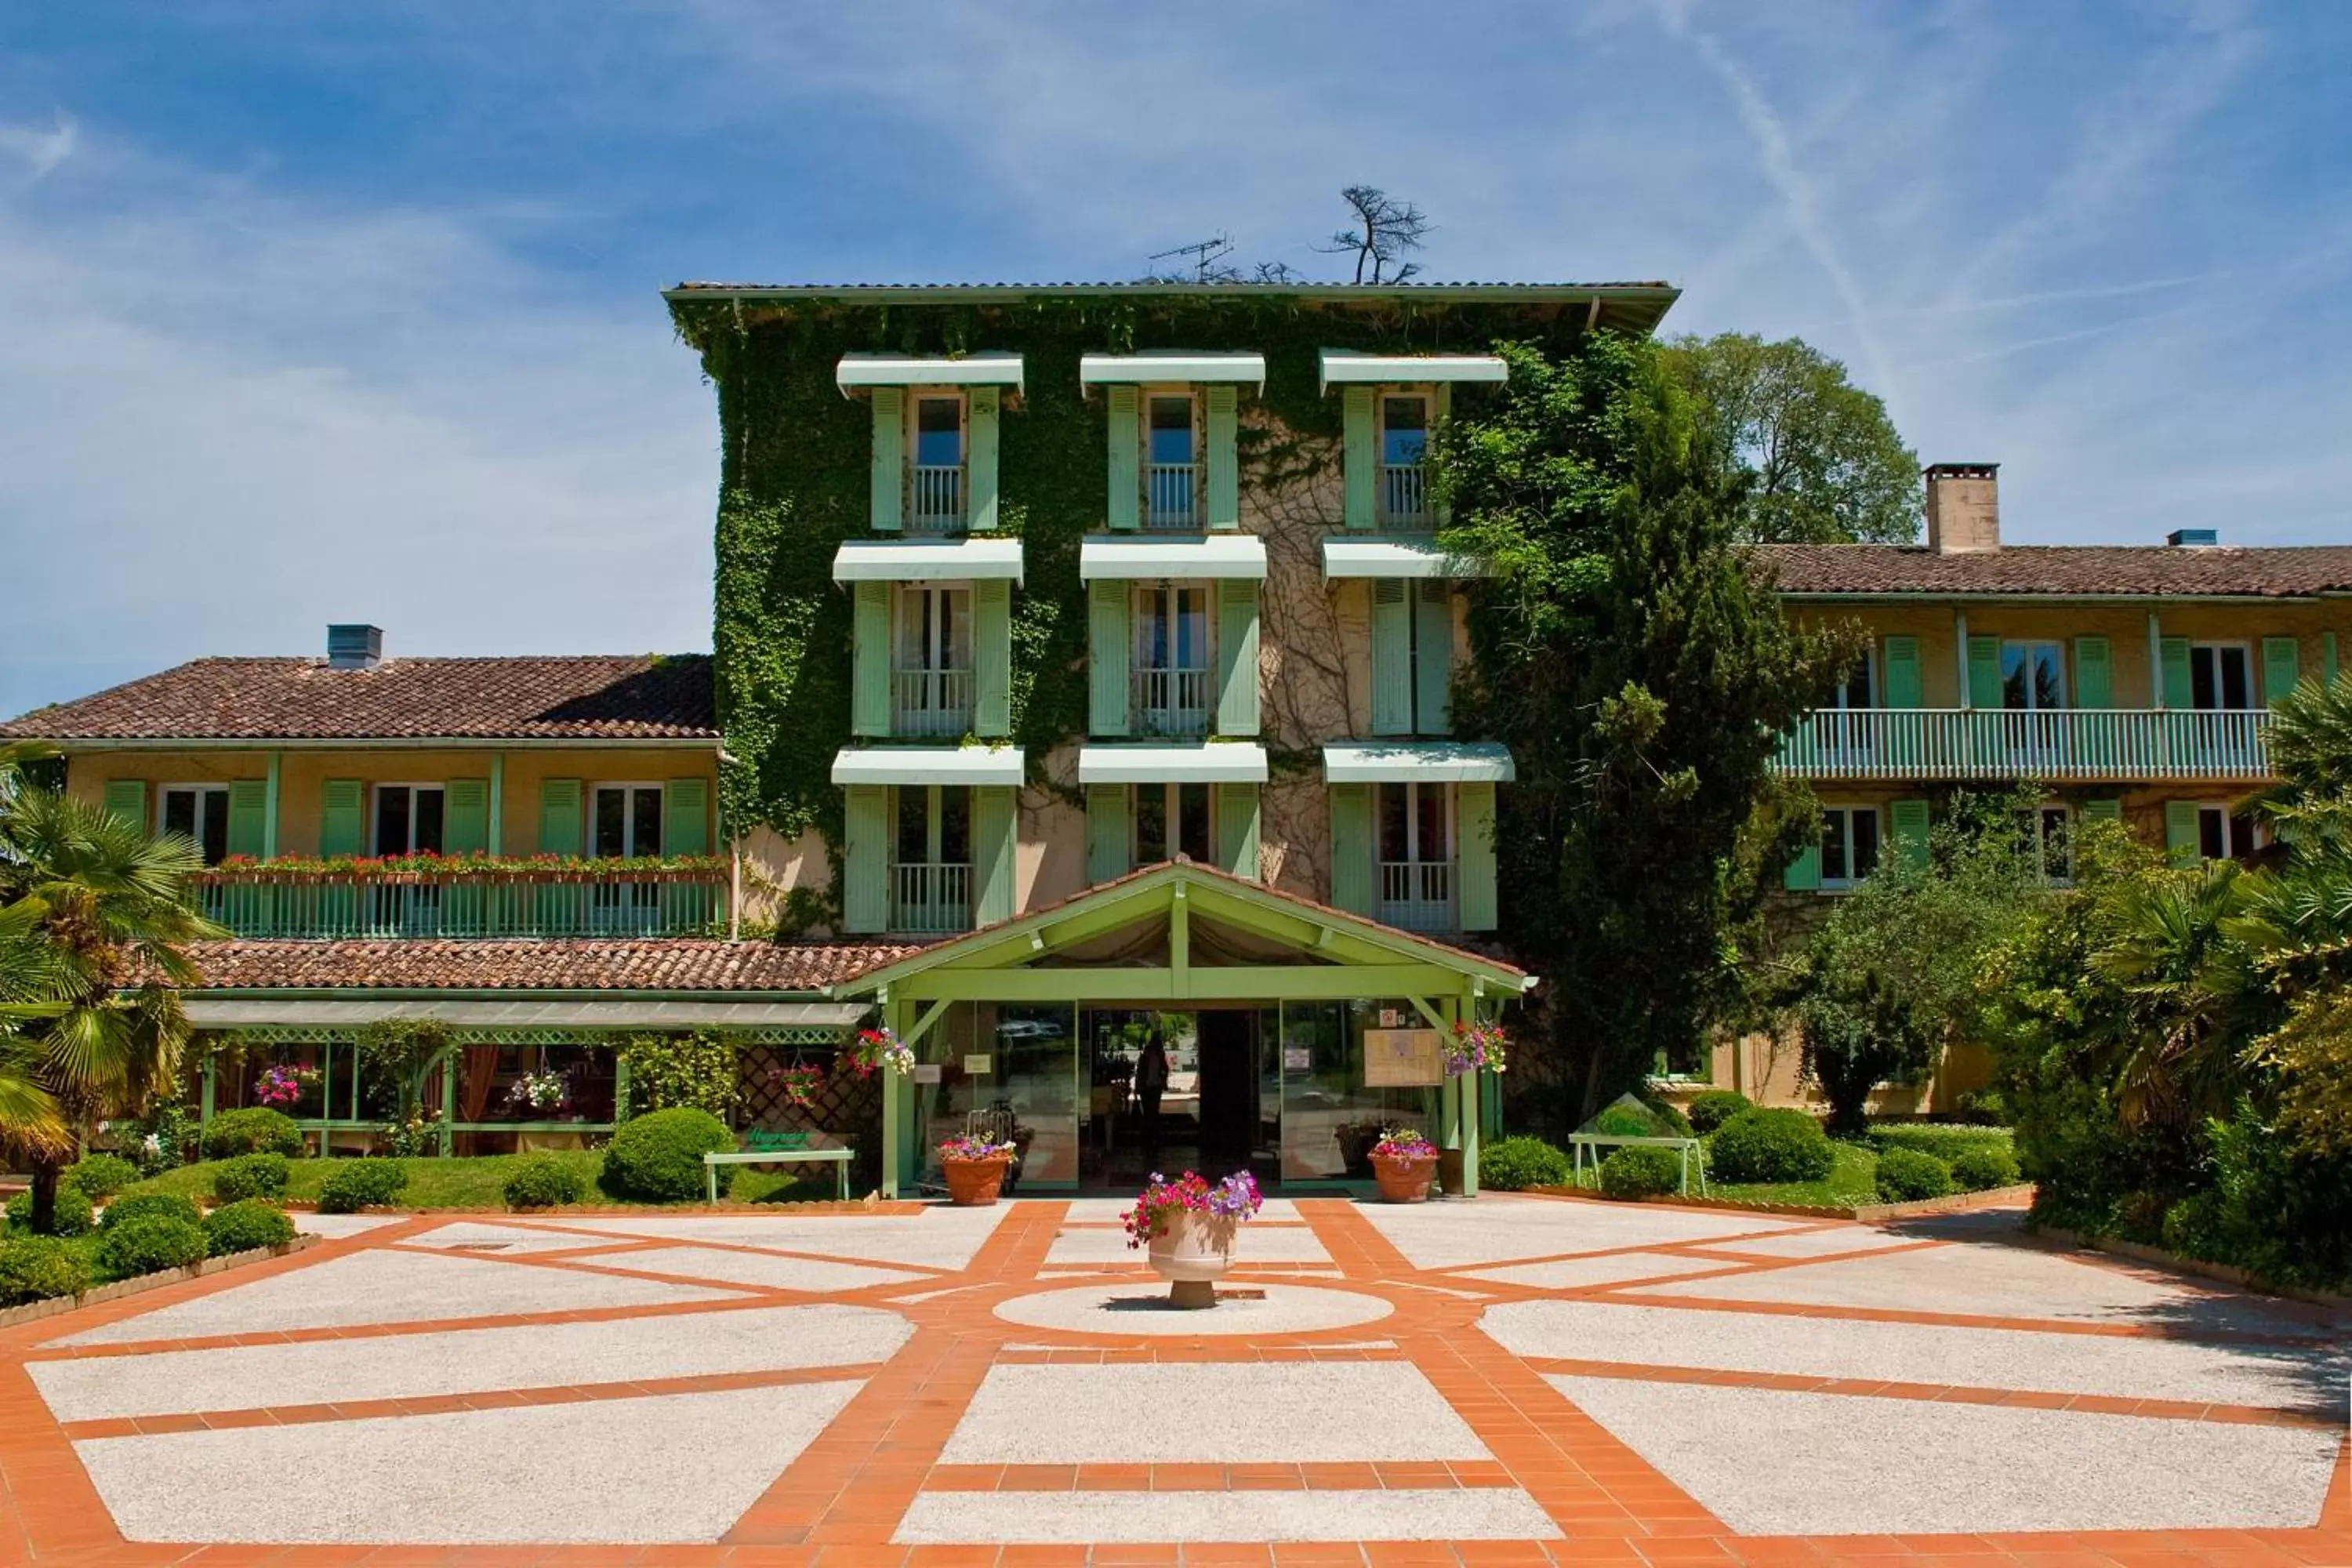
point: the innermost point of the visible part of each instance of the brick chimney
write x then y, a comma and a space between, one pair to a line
1963, 507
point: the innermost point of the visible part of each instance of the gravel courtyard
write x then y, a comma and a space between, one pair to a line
1515, 1379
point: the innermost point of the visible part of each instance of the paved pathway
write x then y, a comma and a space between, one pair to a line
1520, 1380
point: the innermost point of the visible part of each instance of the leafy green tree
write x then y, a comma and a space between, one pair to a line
1628, 653
1826, 464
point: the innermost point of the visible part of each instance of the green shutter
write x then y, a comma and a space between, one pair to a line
1474, 850
1126, 477
127, 798
1803, 874
2281, 669
1237, 828
2094, 673
686, 817
466, 817
1351, 847
1905, 687
2327, 657
1432, 656
1391, 657
1107, 632
2101, 811
992, 815
980, 460
887, 482
1108, 833
2181, 842
1984, 672
864, 858
1359, 475
1223, 458
342, 815
1907, 825
560, 830
248, 818
869, 660
1238, 670
2172, 656
992, 657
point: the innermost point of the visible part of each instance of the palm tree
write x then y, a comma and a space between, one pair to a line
2193, 993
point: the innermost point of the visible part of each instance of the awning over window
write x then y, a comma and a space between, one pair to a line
1184, 555
1143, 370
857, 369
926, 560
235, 1012
1342, 366
1418, 762
1200, 762
1346, 556
927, 765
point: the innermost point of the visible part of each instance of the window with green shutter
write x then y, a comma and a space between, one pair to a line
1237, 663
1125, 479
686, 817
343, 817
2094, 673
1475, 852
887, 483
1107, 653
1803, 874
1109, 833
2281, 669
127, 798
1984, 672
466, 817
2181, 838
248, 818
2327, 657
2101, 811
1352, 849
1432, 657
2172, 662
865, 858
870, 659
1361, 469
560, 828
1907, 825
1391, 657
993, 813
1904, 684
1237, 828
981, 459
1222, 458
992, 657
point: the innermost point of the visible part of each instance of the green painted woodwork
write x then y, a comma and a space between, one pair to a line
2281, 669
993, 816
466, 817
1432, 656
343, 817
1984, 672
1108, 629
1223, 458
2327, 657
1905, 687
2172, 658
1908, 826
1237, 828
1107, 832
1391, 657
1261, 983
127, 798
1124, 475
1360, 474
1475, 852
2094, 673
979, 459
562, 825
869, 666
248, 818
2102, 810
992, 657
1237, 666
2182, 845
686, 817
269, 811
1351, 847
865, 858
497, 841
1803, 875
887, 483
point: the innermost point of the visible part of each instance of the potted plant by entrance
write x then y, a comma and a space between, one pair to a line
1402, 1162
1190, 1227
975, 1169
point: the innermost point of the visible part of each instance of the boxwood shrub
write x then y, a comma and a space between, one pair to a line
1515, 1164
256, 1131
36, 1268
244, 1225
72, 1217
1760, 1144
1975, 1170
1906, 1175
147, 1246
354, 1184
1640, 1172
250, 1176
1711, 1110
658, 1157
1944, 1140
97, 1176
150, 1205
543, 1181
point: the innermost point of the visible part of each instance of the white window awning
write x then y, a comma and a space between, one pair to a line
926, 560
1418, 762
927, 765
1202, 762
1142, 370
1182, 555
1346, 367
1348, 556
856, 370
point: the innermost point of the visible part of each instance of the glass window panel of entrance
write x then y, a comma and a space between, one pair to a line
1008, 1071
1330, 1118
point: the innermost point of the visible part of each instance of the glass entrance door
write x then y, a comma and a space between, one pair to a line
1176, 1091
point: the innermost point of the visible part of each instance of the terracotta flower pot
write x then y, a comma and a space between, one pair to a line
1404, 1181
973, 1184
1192, 1254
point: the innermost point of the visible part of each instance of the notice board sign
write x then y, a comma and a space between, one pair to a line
1403, 1058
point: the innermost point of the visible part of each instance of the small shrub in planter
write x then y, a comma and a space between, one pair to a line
354, 1184
543, 1181
1639, 1172
1711, 1110
148, 1246
72, 1217
36, 1268
1767, 1145
97, 1176
150, 1205
1977, 1170
658, 1157
256, 1131
1905, 1175
250, 1176
244, 1225
1515, 1164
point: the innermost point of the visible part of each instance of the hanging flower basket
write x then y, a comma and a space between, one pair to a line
975, 1169
879, 1049
1475, 1048
1402, 1162
1190, 1227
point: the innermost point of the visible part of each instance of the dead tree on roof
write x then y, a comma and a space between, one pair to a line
1384, 230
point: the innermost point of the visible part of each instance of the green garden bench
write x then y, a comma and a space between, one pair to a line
764, 1148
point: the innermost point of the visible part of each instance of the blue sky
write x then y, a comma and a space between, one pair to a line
349, 312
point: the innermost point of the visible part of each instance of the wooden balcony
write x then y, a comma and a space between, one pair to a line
298, 902
2089, 745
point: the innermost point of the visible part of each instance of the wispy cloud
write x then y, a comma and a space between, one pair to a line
37, 151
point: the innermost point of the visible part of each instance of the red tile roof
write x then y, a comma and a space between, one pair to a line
2074, 570
664, 964
625, 697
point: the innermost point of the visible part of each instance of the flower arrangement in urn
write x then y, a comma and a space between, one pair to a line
1402, 1162
975, 1169
1190, 1226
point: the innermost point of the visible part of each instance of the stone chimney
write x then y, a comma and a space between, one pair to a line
1963, 508
354, 646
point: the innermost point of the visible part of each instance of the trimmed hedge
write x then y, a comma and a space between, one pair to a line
1515, 1164
543, 1181
1760, 1144
1640, 1172
140, 1206
72, 1217
250, 1176
1905, 1175
1978, 1170
1711, 1110
354, 1184
255, 1130
1944, 1140
244, 1225
97, 1176
37, 1268
151, 1244
658, 1157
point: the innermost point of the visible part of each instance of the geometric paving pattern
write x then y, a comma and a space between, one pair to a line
1518, 1380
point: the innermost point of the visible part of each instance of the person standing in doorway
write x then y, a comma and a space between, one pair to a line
1151, 1083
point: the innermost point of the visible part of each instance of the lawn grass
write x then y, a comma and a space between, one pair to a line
1853, 1180
480, 1183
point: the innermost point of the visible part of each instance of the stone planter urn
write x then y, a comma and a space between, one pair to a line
1192, 1254
1404, 1181
974, 1184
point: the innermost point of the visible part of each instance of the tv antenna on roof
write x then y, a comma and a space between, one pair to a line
1203, 256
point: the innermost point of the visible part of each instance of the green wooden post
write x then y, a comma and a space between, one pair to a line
895, 1108
449, 1059
1473, 1094
204, 1100
619, 1086
497, 839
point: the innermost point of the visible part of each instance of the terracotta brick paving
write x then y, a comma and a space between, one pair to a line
839, 1504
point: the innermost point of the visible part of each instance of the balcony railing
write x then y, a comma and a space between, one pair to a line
463, 904
935, 499
1404, 496
1171, 492
930, 703
2116, 744
1417, 895
931, 897
1172, 701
